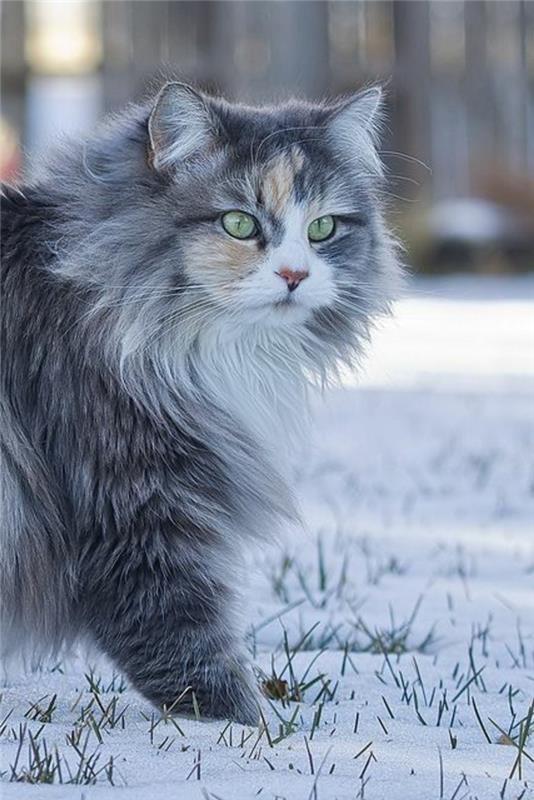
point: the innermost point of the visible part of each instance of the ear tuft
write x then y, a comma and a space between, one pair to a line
179, 126
359, 114
367, 105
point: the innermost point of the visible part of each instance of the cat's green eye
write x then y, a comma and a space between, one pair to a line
321, 229
239, 224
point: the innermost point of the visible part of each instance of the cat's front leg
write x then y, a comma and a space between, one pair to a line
167, 623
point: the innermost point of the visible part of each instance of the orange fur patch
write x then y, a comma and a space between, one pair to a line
279, 179
217, 260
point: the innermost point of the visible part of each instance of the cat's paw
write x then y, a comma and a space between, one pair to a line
233, 696
221, 690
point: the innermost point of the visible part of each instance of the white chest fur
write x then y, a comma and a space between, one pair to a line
259, 378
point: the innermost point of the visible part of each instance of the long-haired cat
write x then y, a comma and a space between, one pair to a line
171, 287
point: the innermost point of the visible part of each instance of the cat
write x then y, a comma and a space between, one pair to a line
172, 286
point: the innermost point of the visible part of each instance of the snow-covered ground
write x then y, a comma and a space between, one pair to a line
402, 619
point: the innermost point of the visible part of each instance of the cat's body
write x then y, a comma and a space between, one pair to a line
153, 363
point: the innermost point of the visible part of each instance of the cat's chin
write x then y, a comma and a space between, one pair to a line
279, 314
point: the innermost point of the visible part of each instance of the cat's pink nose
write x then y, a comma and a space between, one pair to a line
292, 277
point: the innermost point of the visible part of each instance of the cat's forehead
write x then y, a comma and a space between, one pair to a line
278, 180
290, 177
269, 127
294, 176
272, 161
292, 160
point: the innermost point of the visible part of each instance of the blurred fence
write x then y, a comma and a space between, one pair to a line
460, 75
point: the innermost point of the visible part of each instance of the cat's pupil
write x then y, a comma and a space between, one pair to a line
239, 224
321, 228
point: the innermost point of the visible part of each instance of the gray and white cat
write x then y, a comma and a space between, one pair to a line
171, 287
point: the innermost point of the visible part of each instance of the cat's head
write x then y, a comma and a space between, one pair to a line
207, 214
278, 208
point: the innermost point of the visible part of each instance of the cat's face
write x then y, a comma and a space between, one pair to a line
267, 256
277, 210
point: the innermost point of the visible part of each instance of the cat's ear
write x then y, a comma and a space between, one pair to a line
180, 125
357, 115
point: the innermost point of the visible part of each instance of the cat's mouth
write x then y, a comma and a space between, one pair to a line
286, 302
277, 312
287, 310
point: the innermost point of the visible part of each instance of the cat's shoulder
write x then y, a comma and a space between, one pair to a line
26, 212
13, 202
22, 201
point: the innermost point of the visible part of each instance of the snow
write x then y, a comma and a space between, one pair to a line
418, 497
475, 221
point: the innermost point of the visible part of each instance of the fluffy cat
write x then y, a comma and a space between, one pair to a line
171, 287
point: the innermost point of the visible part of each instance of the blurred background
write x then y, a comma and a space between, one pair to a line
459, 143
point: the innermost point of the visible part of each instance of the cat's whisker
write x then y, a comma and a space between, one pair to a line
183, 288
103, 305
141, 298
170, 322
279, 131
377, 179
189, 312
405, 157
186, 312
